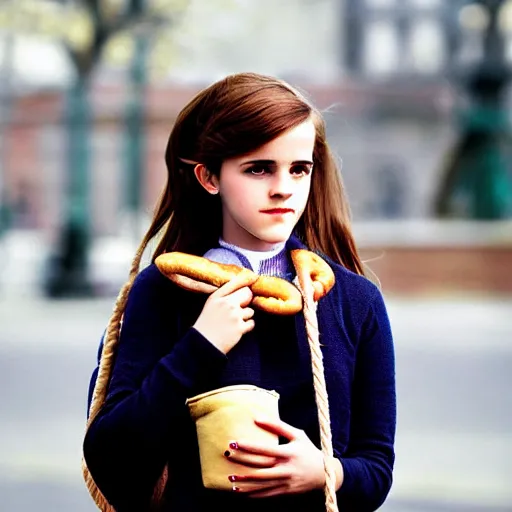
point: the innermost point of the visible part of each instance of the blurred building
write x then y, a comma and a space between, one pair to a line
380, 69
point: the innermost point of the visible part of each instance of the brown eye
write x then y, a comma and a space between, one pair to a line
258, 170
301, 169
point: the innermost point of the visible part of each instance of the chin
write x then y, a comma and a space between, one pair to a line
275, 238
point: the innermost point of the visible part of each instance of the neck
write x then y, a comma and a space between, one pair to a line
274, 262
270, 250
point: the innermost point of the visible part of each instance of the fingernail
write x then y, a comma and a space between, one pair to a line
232, 478
233, 445
227, 453
236, 489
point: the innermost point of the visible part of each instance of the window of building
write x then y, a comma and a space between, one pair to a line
381, 47
381, 3
425, 3
427, 50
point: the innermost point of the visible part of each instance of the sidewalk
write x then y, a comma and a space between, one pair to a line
24, 255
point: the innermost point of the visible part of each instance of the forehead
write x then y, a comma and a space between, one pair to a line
294, 144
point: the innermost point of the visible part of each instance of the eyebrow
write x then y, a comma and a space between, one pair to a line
273, 162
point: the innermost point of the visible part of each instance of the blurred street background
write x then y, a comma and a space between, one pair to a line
416, 94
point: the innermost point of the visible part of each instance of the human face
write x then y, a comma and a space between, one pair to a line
265, 192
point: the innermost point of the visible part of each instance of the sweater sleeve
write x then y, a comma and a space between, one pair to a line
369, 459
126, 445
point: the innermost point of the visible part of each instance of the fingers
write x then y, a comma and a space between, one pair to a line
259, 490
279, 428
248, 326
241, 280
247, 313
240, 449
261, 481
255, 459
273, 475
241, 297
252, 460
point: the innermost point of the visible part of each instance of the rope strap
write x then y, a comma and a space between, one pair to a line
322, 402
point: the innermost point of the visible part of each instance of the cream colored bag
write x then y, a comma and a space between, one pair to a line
225, 415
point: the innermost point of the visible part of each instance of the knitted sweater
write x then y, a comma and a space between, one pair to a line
161, 361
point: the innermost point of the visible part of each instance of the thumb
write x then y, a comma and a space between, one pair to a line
278, 427
241, 280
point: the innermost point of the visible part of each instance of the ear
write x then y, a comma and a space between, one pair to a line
207, 180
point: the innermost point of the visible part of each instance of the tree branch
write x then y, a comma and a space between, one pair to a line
103, 30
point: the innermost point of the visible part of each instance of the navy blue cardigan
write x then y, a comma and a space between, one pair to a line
161, 361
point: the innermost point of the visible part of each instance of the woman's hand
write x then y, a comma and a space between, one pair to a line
292, 468
225, 317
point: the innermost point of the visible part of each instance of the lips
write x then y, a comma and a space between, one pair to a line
278, 211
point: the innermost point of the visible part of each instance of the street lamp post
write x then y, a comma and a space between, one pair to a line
135, 132
67, 272
6, 90
476, 180
134, 150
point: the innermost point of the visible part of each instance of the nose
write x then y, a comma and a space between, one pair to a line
281, 184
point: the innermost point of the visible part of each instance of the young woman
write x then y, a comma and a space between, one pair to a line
250, 177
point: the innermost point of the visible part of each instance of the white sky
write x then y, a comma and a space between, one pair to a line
289, 37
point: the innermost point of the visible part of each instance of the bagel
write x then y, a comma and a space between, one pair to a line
310, 266
270, 294
198, 274
195, 272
